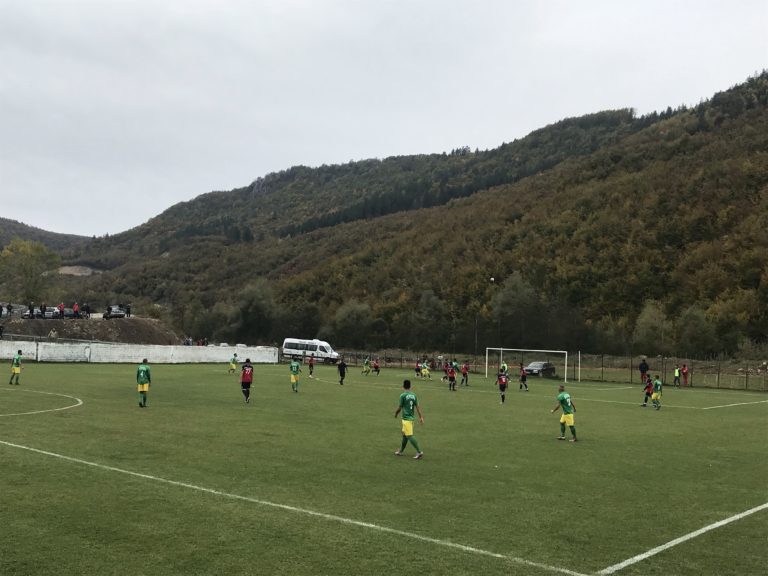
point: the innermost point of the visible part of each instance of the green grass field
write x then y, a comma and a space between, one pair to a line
201, 483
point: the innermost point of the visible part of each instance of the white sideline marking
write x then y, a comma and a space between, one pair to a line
323, 515
738, 404
676, 541
77, 403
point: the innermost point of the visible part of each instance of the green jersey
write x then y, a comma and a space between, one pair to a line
295, 368
408, 403
142, 375
233, 360
16, 362
657, 385
565, 402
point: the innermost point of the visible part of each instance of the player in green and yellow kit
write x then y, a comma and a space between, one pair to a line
564, 402
233, 364
656, 396
143, 380
15, 368
295, 368
409, 402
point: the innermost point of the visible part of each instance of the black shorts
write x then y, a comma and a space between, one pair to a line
502, 388
245, 385
523, 378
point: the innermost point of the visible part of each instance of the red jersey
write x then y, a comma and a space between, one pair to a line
464, 369
451, 372
247, 374
649, 386
503, 379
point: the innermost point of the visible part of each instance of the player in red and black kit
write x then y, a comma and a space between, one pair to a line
246, 378
465, 374
523, 378
451, 372
501, 381
311, 364
648, 390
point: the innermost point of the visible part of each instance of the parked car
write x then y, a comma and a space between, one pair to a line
541, 369
113, 312
49, 313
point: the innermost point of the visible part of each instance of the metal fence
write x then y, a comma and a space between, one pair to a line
728, 374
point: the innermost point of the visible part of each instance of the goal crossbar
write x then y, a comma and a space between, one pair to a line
502, 350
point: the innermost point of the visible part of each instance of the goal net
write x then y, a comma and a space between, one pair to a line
546, 363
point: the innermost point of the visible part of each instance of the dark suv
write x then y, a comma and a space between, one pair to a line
541, 369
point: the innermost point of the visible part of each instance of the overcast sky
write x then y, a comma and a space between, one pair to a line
111, 111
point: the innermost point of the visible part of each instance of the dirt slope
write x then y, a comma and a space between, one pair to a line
129, 330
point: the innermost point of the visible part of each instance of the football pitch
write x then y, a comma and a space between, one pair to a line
202, 483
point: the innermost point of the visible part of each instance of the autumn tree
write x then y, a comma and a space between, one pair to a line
23, 265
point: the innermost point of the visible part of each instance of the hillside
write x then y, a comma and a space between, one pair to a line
10, 229
607, 232
127, 330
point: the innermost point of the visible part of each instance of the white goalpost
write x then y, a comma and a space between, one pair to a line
515, 355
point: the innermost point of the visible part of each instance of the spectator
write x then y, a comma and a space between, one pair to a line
9, 308
643, 367
31, 311
61, 309
76, 310
127, 310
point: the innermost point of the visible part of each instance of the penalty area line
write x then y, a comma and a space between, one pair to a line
676, 541
737, 404
304, 511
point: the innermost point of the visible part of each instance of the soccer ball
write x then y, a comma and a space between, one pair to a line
493, 279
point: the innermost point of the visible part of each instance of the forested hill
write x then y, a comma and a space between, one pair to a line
10, 229
301, 199
601, 232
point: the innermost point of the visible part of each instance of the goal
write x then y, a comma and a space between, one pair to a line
494, 357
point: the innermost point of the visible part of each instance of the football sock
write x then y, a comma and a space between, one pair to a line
573, 431
502, 398
562, 429
412, 440
404, 443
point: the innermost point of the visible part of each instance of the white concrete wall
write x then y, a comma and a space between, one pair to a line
132, 353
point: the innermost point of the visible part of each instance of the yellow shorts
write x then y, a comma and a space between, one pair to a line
16, 370
407, 427
143, 387
424, 372
232, 366
294, 378
566, 419
656, 396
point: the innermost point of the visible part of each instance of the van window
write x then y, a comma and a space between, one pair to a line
323, 349
312, 347
293, 345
